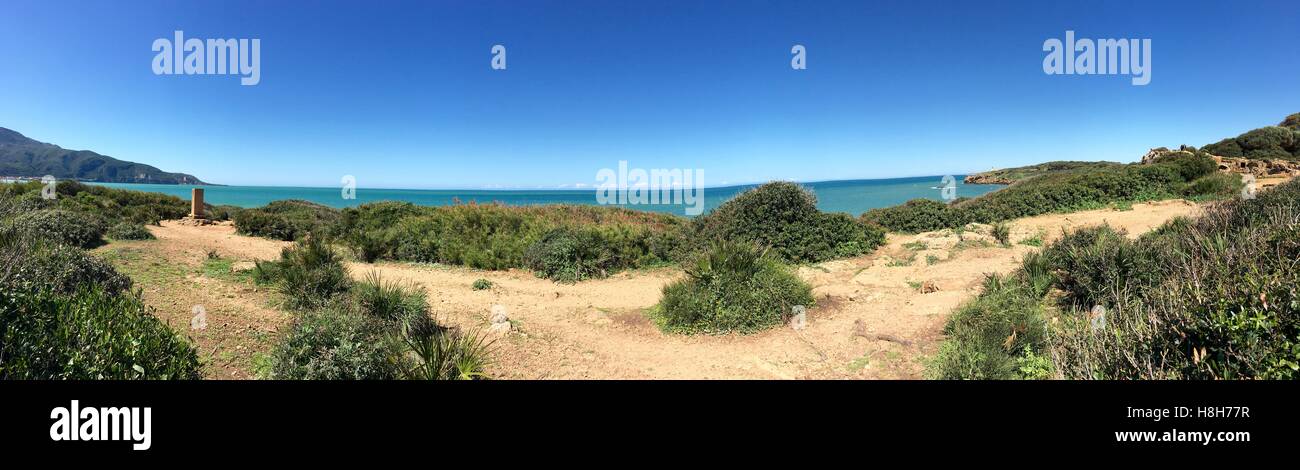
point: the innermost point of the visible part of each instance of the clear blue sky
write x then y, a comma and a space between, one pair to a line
400, 94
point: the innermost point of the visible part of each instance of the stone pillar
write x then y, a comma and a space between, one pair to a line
196, 203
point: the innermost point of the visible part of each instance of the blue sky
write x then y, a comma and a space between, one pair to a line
401, 94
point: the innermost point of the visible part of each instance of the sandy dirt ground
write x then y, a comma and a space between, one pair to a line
872, 319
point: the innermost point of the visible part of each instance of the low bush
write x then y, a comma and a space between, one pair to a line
1214, 186
88, 335
1076, 189
734, 287
335, 344
382, 331
28, 263
286, 220
129, 231
570, 255
915, 216
77, 229
784, 218
388, 301
1002, 233
114, 205
1208, 298
1273, 142
481, 284
309, 274
566, 243
986, 336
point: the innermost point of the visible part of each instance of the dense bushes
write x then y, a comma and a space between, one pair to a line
1215, 186
309, 274
378, 330
334, 344
65, 314
129, 231
286, 220
569, 254
734, 287
76, 229
987, 338
1281, 141
90, 334
565, 243
32, 264
110, 204
1054, 192
1210, 298
784, 217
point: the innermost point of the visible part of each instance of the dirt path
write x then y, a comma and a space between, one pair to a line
597, 329
176, 276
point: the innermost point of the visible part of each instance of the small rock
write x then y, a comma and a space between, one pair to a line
928, 287
241, 266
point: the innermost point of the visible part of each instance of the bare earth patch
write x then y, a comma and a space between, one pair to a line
872, 319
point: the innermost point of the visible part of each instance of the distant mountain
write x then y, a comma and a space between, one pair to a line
21, 156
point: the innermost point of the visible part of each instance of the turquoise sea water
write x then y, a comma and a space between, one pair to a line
853, 197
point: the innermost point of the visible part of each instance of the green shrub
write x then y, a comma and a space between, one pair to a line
1225, 148
1206, 298
1094, 264
986, 335
1291, 122
388, 301
569, 255
28, 263
335, 344
129, 231
286, 220
784, 217
1079, 188
735, 287
73, 228
384, 332
1280, 142
88, 335
1216, 185
915, 216
1002, 233
563, 242
482, 284
309, 274
437, 353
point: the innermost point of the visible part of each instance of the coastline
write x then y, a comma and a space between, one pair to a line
848, 196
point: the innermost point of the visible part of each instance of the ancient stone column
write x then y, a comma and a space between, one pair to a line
196, 203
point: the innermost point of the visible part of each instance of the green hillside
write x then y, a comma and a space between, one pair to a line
21, 156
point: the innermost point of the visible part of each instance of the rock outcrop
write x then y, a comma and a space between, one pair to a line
1246, 166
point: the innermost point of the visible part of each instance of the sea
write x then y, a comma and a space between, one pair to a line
849, 196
